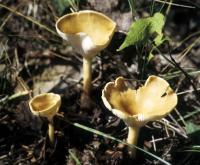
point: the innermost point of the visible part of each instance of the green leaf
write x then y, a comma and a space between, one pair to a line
157, 23
158, 40
151, 56
192, 128
142, 29
60, 5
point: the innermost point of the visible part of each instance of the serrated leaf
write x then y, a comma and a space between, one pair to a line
138, 32
141, 30
157, 23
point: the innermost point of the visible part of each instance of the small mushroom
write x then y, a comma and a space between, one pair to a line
152, 101
46, 105
88, 32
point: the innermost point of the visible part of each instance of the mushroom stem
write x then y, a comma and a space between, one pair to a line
87, 75
51, 131
132, 138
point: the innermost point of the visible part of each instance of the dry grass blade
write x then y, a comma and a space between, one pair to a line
188, 91
29, 19
175, 4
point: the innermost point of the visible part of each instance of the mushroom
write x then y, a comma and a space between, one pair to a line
46, 105
152, 101
88, 32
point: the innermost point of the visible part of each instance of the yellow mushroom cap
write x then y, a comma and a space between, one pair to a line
150, 102
45, 105
87, 31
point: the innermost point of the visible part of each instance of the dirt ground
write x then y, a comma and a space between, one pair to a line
34, 58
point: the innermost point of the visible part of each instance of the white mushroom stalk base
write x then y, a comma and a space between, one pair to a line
51, 131
133, 133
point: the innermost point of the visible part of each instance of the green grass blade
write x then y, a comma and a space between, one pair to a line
132, 7
196, 111
117, 140
73, 156
175, 74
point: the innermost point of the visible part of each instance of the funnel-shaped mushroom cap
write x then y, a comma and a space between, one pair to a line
152, 101
45, 105
87, 31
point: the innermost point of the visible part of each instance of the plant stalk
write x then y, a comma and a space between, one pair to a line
133, 133
87, 75
51, 131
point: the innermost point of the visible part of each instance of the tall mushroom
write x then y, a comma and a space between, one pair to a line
46, 105
88, 32
152, 101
